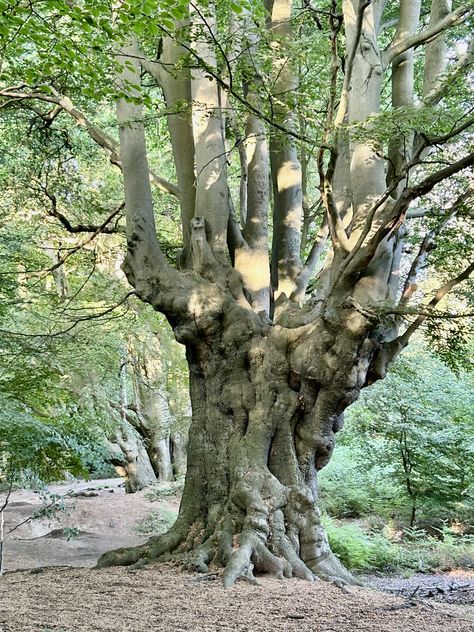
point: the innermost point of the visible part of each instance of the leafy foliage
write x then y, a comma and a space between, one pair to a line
412, 440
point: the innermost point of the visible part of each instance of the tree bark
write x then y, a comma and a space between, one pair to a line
267, 402
130, 459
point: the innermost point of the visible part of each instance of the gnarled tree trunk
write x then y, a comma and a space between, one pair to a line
273, 364
131, 461
270, 379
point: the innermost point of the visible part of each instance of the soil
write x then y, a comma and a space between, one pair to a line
456, 586
97, 514
53, 595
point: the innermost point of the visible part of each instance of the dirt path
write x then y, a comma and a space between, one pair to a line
98, 514
164, 598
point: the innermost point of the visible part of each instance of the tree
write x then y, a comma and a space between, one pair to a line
420, 420
319, 97
66, 347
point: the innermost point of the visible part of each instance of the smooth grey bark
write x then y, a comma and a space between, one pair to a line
212, 193
128, 455
175, 82
152, 417
285, 165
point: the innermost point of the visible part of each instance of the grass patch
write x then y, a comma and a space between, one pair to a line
165, 490
156, 522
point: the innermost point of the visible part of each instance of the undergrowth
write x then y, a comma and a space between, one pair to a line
363, 550
156, 522
165, 490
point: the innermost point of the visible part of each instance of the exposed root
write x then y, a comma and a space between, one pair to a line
140, 555
330, 569
123, 557
199, 559
240, 564
261, 539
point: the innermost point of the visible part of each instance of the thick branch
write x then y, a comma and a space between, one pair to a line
145, 259
175, 81
336, 226
426, 185
435, 90
285, 166
343, 103
395, 214
212, 193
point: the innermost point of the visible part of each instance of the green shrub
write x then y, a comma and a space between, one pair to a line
362, 550
419, 420
359, 550
156, 522
350, 491
432, 554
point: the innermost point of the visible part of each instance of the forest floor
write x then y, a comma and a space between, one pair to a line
52, 595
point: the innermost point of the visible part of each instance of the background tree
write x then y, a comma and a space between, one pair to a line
418, 424
277, 347
65, 336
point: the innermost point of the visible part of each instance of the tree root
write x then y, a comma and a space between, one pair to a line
145, 553
260, 540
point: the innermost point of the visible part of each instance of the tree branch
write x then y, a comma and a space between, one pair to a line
455, 17
435, 95
82, 228
426, 185
426, 246
440, 294
344, 100
145, 259
105, 141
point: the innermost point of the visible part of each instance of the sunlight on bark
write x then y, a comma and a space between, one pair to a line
254, 268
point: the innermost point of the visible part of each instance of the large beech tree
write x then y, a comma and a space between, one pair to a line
291, 293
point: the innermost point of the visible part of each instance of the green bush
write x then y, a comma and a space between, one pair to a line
350, 491
156, 522
428, 554
362, 550
359, 550
419, 420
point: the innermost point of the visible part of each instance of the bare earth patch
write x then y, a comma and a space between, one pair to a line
163, 598
99, 512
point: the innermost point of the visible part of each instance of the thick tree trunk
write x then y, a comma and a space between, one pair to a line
268, 398
265, 411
